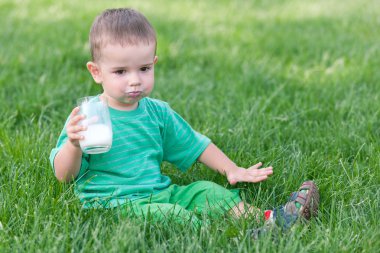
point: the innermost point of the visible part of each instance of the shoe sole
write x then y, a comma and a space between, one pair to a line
310, 209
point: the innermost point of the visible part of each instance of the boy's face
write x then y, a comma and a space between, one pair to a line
126, 73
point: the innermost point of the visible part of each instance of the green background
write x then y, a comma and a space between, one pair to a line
294, 84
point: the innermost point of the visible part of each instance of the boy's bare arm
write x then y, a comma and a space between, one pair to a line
68, 160
215, 159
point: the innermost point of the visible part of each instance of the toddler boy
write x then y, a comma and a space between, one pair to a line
147, 132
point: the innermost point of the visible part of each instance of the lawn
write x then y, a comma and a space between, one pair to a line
294, 84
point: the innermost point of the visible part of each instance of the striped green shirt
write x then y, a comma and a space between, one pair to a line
142, 140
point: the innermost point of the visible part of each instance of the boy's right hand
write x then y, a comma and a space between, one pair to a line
73, 128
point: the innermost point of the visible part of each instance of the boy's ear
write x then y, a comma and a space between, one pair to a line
155, 59
94, 70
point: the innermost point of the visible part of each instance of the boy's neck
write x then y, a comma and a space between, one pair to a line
120, 106
125, 107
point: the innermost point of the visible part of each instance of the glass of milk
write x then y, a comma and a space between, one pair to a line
98, 136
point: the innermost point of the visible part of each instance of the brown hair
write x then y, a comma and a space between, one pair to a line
125, 26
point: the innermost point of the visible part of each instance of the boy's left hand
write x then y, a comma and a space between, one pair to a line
252, 175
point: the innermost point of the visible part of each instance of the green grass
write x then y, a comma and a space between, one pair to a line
294, 84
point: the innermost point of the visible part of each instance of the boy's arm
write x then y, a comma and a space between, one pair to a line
68, 160
215, 159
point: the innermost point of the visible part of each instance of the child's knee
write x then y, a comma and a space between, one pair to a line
209, 186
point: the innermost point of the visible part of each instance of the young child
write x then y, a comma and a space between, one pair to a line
147, 132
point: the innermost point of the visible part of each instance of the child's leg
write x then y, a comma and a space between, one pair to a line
166, 212
182, 203
302, 204
205, 197
245, 210
158, 208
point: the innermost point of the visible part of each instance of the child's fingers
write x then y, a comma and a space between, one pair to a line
267, 170
75, 120
74, 136
74, 111
259, 173
256, 166
261, 178
75, 128
257, 178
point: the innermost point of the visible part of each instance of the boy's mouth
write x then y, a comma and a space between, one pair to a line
134, 94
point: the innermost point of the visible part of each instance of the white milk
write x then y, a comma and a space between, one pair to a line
97, 139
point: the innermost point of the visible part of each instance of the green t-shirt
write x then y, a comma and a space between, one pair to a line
142, 139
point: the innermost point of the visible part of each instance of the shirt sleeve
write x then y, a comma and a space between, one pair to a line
181, 144
62, 139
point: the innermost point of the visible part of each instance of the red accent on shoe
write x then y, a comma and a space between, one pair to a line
267, 214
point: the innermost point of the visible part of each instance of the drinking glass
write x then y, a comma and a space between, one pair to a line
98, 135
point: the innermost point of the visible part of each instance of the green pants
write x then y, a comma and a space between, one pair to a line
184, 204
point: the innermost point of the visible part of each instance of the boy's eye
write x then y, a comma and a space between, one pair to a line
119, 72
145, 69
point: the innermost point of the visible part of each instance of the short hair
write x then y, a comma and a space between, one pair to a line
123, 25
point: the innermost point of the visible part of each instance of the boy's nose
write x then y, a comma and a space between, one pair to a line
134, 79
